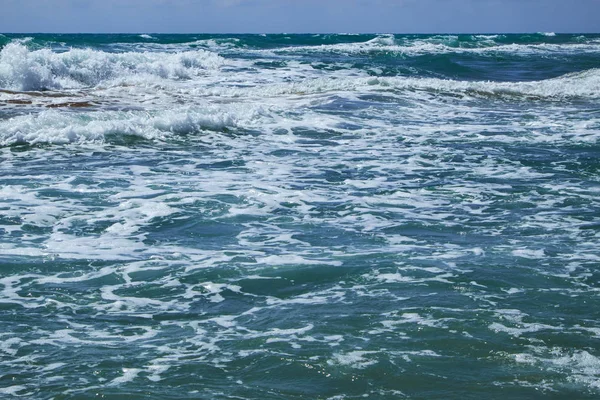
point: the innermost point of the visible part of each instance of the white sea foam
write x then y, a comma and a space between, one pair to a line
579, 366
354, 359
155, 372
581, 84
121, 75
318, 199
205, 107
515, 323
22, 69
521, 329
14, 390
290, 259
10, 346
57, 127
53, 366
439, 45
529, 253
129, 374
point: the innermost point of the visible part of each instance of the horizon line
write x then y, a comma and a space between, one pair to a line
300, 33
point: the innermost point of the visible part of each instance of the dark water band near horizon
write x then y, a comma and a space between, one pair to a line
300, 216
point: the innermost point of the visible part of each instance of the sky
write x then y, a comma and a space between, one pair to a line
299, 16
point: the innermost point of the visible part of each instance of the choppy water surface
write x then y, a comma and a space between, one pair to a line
299, 216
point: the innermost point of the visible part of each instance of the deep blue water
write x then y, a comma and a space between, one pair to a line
300, 216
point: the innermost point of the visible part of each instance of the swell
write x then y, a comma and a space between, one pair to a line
298, 41
579, 85
299, 104
22, 69
60, 62
88, 95
418, 45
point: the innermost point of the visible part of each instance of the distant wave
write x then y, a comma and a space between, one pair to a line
584, 84
443, 44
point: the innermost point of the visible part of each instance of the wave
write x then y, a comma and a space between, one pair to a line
444, 44
585, 84
25, 70
56, 127
266, 106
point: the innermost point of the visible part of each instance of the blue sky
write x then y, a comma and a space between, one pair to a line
290, 16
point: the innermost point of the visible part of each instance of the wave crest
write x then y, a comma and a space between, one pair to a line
585, 84
22, 69
57, 127
447, 44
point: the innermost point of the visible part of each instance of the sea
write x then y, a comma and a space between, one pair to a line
306, 216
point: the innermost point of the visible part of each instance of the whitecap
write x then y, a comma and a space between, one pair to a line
22, 69
129, 374
57, 127
355, 359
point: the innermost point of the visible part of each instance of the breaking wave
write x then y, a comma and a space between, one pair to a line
22, 69
53, 126
444, 44
585, 84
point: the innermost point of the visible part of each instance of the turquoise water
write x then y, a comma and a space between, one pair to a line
299, 216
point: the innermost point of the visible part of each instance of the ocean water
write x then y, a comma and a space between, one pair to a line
300, 216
